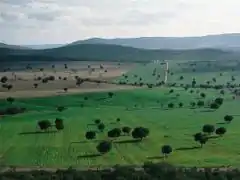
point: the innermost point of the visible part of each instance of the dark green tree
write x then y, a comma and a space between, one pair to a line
193, 104
10, 100
118, 120
10, 86
101, 127
4, 79
221, 131
114, 133
203, 95
200, 103
170, 105
214, 79
61, 108
208, 128
200, 138
214, 105
90, 135
126, 130
140, 133
228, 118
110, 94
104, 147
166, 150
180, 104
97, 121
219, 101
44, 124
59, 124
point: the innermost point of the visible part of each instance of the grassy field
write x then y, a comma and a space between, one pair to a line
21, 146
202, 71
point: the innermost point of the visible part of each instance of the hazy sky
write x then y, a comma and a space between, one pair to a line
60, 21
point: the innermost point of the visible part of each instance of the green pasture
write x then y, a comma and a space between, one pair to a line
202, 71
21, 146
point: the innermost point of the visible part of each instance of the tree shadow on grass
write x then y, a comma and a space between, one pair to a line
128, 141
213, 137
187, 148
92, 124
85, 141
155, 157
100, 99
38, 132
207, 110
88, 156
221, 123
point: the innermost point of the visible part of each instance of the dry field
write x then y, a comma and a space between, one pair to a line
23, 80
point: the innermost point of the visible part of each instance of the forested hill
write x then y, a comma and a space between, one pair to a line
104, 52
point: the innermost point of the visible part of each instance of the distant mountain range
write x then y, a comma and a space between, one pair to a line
213, 47
223, 41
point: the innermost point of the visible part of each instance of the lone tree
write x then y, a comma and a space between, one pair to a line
10, 86
65, 89
203, 95
214, 105
104, 147
10, 100
194, 83
110, 94
214, 79
118, 120
170, 105
61, 108
90, 135
101, 127
200, 138
35, 85
114, 133
221, 131
180, 104
193, 104
126, 130
208, 128
97, 121
166, 150
44, 124
171, 91
222, 92
219, 101
200, 103
140, 133
59, 124
4, 79
228, 118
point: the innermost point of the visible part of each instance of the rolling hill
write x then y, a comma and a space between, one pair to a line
222, 41
3, 45
105, 52
43, 46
